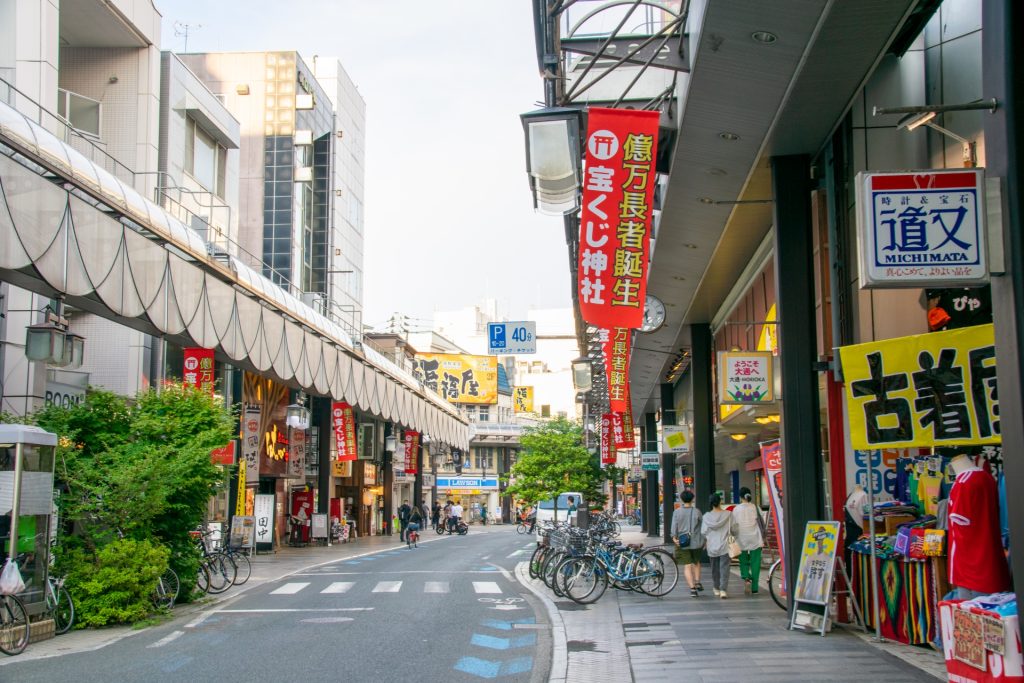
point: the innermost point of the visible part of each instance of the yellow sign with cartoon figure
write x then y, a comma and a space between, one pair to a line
522, 399
817, 563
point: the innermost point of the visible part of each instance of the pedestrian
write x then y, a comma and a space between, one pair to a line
483, 514
749, 539
456, 514
435, 515
403, 518
448, 514
686, 532
716, 527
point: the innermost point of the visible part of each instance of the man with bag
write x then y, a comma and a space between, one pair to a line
685, 531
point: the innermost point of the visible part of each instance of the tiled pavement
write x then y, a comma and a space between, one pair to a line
625, 636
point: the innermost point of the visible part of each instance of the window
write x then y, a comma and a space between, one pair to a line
205, 159
484, 414
545, 411
81, 112
484, 458
366, 441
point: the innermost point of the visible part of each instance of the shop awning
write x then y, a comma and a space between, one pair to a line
107, 249
755, 464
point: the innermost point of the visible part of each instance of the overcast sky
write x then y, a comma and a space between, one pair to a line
448, 219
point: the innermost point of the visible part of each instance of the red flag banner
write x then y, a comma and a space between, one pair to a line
622, 429
344, 424
616, 359
412, 445
615, 221
198, 368
607, 447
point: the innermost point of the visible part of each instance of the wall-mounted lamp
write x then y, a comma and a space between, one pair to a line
390, 444
52, 343
924, 115
426, 439
296, 416
553, 158
582, 374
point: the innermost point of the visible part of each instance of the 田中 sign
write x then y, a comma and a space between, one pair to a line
936, 389
512, 337
922, 228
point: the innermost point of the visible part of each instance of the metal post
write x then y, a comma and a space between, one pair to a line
417, 482
703, 402
322, 416
388, 477
651, 478
668, 462
1002, 72
801, 430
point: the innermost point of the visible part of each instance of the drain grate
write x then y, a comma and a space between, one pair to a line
581, 646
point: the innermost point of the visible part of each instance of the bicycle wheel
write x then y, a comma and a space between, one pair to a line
777, 584
14, 631
241, 561
586, 581
63, 612
547, 572
463, 528
537, 561
166, 591
203, 579
660, 573
521, 528
440, 529
221, 574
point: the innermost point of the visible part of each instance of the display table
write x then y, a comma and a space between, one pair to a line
975, 652
908, 596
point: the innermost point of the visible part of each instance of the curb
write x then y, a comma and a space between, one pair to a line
559, 651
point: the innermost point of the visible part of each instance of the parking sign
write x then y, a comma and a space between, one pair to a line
518, 337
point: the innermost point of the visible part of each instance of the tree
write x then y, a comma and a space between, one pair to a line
553, 460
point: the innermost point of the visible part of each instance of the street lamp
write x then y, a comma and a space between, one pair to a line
553, 158
582, 374
296, 416
52, 343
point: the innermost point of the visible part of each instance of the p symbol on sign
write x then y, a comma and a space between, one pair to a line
498, 336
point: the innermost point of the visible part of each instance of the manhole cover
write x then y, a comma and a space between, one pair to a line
326, 620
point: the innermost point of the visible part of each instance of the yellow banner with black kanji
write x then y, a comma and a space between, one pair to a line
522, 399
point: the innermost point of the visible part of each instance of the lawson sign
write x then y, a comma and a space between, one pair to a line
467, 482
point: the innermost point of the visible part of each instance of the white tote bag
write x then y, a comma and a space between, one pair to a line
10, 579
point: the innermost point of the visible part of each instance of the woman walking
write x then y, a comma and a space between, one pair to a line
748, 522
686, 533
717, 525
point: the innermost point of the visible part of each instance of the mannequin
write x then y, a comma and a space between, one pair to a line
976, 560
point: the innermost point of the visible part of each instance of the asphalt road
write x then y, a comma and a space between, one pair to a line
450, 610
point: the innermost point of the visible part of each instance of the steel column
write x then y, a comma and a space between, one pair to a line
322, 416
801, 431
651, 477
703, 402
668, 461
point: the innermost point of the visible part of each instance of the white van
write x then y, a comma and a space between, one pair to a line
546, 508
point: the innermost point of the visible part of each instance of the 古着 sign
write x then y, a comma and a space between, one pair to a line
615, 220
922, 229
745, 377
936, 389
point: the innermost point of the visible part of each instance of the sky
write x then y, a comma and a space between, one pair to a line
449, 220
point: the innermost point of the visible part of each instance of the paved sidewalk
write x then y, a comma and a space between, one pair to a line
627, 636
266, 567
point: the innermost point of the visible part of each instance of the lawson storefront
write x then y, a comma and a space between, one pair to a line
471, 492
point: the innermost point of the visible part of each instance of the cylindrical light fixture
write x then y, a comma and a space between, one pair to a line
582, 373
553, 158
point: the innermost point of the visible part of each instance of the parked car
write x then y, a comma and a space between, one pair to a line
547, 510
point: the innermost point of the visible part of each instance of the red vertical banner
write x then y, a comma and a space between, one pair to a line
607, 445
412, 446
622, 429
615, 221
344, 424
198, 368
616, 360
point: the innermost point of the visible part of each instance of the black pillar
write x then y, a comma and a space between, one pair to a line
1003, 79
703, 402
235, 395
651, 478
417, 482
668, 462
322, 418
801, 431
388, 477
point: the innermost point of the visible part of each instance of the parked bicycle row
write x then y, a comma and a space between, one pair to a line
582, 564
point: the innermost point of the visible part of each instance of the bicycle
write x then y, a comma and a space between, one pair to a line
461, 528
777, 584
166, 590
59, 605
412, 535
14, 629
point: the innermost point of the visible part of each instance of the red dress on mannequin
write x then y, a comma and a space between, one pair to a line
976, 558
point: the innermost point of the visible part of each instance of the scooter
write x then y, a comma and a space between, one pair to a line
461, 528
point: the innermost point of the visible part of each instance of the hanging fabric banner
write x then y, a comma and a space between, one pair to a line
615, 220
198, 368
344, 424
412, 445
622, 430
616, 361
607, 446
771, 456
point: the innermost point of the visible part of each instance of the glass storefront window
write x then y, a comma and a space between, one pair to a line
30, 532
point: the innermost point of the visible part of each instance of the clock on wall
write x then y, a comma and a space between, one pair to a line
654, 314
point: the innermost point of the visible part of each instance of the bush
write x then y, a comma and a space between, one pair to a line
113, 585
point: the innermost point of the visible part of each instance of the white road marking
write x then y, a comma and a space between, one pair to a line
388, 587
486, 587
506, 607
166, 639
486, 557
295, 609
200, 619
436, 587
338, 587
289, 588
516, 553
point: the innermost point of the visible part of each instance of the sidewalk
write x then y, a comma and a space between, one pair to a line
627, 636
266, 567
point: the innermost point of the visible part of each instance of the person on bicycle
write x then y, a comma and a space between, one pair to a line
403, 519
414, 523
531, 518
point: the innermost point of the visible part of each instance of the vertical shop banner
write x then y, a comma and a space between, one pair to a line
771, 457
297, 453
817, 563
745, 377
607, 444
344, 424
240, 492
263, 510
198, 368
251, 440
615, 220
935, 389
616, 363
522, 399
412, 446
622, 430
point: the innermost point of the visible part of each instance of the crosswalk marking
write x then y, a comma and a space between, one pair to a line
388, 587
338, 587
486, 587
289, 588
436, 587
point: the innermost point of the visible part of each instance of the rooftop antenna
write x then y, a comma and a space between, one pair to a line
182, 28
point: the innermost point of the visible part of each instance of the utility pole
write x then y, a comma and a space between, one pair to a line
182, 28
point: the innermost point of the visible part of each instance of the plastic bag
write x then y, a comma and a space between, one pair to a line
10, 579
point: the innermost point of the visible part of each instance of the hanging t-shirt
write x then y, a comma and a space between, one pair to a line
976, 559
928, 486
